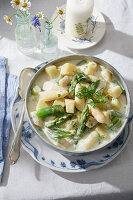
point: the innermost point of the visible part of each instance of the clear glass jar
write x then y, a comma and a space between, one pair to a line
25, 35
48, 43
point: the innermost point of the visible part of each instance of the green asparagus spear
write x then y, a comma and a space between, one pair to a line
82, 62
116, 122
58, 120
58, 133
73, 85
84, 115
50, 111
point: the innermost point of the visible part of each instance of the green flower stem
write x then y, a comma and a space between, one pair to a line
25, 13
12, 15
22, 13
54, 19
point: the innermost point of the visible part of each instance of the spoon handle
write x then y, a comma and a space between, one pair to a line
15, 148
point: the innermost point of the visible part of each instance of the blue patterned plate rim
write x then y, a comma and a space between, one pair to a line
32, 144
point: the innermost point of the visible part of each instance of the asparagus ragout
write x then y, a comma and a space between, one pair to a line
78, 105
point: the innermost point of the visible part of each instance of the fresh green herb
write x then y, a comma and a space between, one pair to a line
82, 62
83, 92
92, 88
98, 93
78, 78
101, 137
94, 102
84, 115
59, 95
58, 120
87, 92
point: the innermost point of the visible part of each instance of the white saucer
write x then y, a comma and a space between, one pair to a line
97, 30
46, 156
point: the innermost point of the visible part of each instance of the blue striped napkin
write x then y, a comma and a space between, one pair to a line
8, 84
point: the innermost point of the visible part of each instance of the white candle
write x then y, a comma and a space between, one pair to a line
77, 14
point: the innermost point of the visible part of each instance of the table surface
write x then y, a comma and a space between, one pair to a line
27, 179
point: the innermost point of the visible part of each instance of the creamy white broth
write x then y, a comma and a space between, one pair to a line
69, 142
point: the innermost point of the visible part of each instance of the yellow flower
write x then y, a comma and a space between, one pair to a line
60, 12
15, 4
25, 5
8, 19
40, 15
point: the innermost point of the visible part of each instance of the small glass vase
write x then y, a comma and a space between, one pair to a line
48, 43
25, 35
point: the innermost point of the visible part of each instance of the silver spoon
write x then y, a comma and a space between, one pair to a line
24, 79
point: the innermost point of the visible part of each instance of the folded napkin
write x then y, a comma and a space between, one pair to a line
8, 84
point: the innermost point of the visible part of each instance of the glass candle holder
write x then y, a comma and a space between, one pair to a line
25, 35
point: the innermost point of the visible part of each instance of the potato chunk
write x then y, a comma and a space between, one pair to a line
114, 90
97, 113
115, 103
52, 71
65, 81
103, 134
106, 74
107, 116
91, 122
59, 102
88, 141
42, 104
70, 104
48, 85
67, 69
79, 103
91, 68
51, 95
93, 78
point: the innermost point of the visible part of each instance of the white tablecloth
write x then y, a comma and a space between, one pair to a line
27, 179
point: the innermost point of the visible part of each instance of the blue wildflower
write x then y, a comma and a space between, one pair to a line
36, 23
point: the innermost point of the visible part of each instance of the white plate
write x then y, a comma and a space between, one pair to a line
34, 145
96, 33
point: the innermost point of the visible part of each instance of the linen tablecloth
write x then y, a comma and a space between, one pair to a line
8, 84
27, 179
